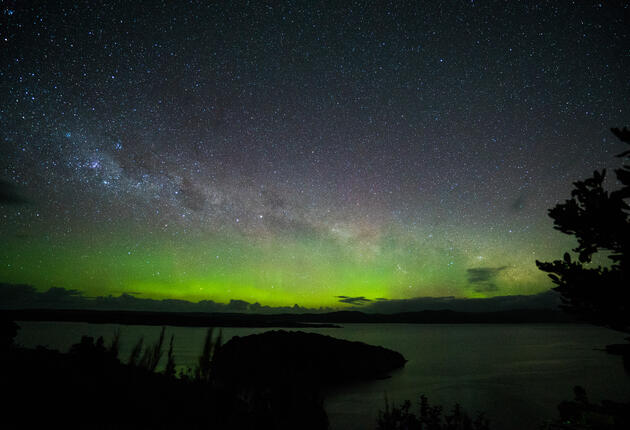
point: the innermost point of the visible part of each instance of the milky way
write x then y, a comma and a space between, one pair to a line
293, 152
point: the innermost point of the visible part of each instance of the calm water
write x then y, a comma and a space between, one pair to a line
516, 373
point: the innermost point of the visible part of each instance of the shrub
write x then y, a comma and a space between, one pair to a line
429, 418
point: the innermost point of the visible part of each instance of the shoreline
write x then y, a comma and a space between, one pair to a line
307, 320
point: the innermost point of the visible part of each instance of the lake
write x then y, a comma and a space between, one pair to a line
516, 373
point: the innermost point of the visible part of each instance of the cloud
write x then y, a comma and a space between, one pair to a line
26, 296
482, 278
483, 274
17, 293
359, 301
58, 293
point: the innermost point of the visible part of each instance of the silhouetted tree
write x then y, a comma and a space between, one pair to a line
600, 221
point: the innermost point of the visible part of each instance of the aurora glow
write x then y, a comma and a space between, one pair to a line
290, 153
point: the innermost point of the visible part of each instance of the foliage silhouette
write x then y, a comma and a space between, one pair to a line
428, 418
8, 331
134, 395
114, 346
203, 371
152, 355
101, 392
147, 358
169, 369
94, 353
600, 221
580, 414
134, 357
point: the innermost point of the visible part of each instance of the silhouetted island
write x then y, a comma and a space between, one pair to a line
281, 357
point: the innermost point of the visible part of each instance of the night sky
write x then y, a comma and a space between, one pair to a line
293, 152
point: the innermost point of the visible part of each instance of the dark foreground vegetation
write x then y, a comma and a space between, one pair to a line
428, 417
89, 387
268, 381
577, 414
599, 220
272, 380
580, 413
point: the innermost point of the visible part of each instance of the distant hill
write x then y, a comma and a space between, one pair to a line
331, 319
22, 296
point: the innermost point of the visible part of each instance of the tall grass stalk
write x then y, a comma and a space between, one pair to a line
203, 372
169, 370
135, 353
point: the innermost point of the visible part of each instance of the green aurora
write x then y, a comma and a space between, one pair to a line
279, 270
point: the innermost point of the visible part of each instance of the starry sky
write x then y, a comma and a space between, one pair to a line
298, 151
